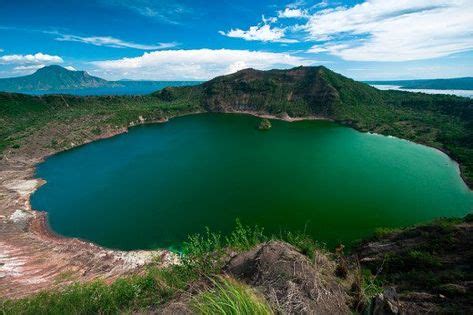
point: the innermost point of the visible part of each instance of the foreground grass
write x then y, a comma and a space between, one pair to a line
204, 255
135, 292
228, 296
202, 258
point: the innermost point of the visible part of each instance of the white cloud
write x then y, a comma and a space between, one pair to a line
28, 68
112, 42
71, 68
262, 33
198, 64
289, 13
38, 58
317, 49
394, 30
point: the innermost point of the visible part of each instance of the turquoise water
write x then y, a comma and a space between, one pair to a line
158, 183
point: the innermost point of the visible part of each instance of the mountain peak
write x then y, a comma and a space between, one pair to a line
55, 78
53, 68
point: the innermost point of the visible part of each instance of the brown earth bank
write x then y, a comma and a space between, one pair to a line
32, 257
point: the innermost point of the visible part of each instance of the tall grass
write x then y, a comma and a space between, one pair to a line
230, 297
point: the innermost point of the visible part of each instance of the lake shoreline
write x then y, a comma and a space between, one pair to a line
35, 256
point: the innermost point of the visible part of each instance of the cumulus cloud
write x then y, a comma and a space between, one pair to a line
289, 13
112, 42
38, 59
262, 33
394, 30
198, 64
28, 68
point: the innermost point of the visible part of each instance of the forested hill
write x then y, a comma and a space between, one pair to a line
436, 84
441, 121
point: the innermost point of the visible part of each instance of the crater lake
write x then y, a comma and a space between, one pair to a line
158, 183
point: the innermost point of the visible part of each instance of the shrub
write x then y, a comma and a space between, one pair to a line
381, 233
303, 242
365, 287
264, 124
245, 237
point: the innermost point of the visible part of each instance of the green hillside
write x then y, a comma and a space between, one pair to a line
441, 121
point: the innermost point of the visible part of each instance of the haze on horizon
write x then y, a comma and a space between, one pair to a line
198, 40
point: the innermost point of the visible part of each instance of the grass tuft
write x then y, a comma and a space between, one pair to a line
229, 296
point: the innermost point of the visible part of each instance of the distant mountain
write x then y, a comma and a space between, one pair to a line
59, 80
431, 84
53, 78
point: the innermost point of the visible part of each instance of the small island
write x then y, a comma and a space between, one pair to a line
264, 124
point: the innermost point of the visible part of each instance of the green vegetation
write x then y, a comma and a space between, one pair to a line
58, 120
97, 297
433, 258
365, 287
230, 297
381, 233
264, 124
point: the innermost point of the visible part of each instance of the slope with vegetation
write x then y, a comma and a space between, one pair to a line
248, 272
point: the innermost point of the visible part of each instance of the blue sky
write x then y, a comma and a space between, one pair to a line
174, 40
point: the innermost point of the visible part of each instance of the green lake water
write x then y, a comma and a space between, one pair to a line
158, 183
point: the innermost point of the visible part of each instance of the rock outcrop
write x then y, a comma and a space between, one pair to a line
290, 282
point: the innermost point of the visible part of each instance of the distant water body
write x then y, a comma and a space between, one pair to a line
464, 93
156, 184
128, 88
